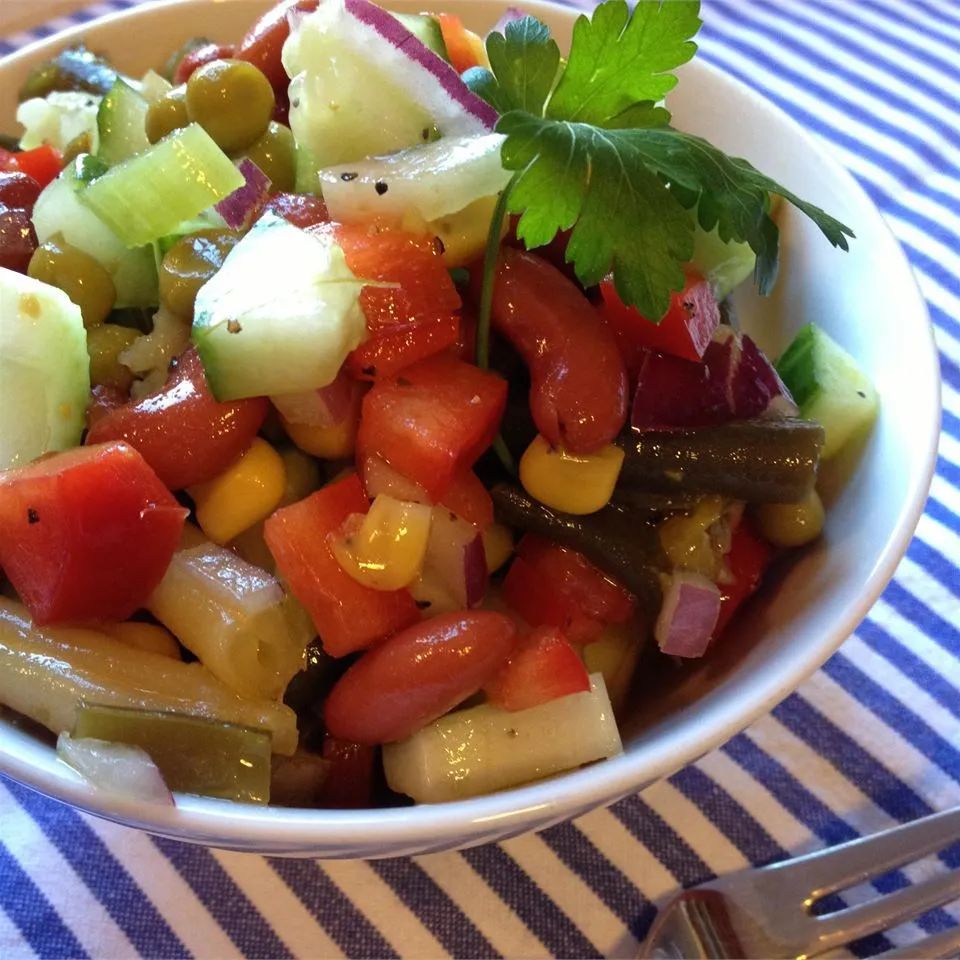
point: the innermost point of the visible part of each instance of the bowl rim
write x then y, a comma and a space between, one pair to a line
427, 827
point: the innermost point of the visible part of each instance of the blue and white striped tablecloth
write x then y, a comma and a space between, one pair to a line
873, 739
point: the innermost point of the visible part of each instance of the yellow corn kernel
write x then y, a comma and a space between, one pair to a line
385, 548
686, 540
615, 655
570, 482
327, 443
246, 492
251, 546
497, 545
145, 636
303, 475
791, 524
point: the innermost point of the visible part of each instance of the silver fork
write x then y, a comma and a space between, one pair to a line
766, 912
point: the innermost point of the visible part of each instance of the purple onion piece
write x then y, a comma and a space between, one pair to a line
479, 114
240, 207
688, 616
455, 556
474, 571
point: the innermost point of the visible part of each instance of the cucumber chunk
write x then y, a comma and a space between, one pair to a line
725, 264
44, 370
484, 749
426, 30
828, 387
121, 122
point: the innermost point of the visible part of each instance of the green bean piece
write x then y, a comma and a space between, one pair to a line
76, 68
760, 461
194, 755
189, 264
232, 100
621, 544
167, 114
275, 154
78, 275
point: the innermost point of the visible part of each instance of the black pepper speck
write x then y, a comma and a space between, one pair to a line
380, 187
32, 515
347, 177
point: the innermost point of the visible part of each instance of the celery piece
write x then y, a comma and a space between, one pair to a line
150, 195
195, 756
121, 123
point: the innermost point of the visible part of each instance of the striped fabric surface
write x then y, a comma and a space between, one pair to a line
872, 740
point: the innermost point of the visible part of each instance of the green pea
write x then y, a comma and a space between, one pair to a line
78, 275
105, 343
232, 100
167, 114
274, 153
189, 264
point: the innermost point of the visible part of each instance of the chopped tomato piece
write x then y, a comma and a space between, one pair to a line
420, 674
86, 534
389, 351
301, 209
348, 615
545, 666
200, 57
462, 46
42, 164
349, 784
684, 331
469, 499
263, 44
747, 561
432, 421
182, 432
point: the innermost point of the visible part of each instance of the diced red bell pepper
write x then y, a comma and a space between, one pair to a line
263, 44
545, 666
182, 432
301, 209
348, 615
349, 783
43, 163
470, 500
389, 351
461, 46
200, 57
685, 330
432, 421
747, 562
86, 534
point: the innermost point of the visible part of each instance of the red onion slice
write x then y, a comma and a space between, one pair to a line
688, 616
456, 557
241, 207
117, 768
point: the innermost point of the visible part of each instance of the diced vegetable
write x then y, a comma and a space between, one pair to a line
58, 119
497, 545
543, 667
724, 264
280, 316
121, 122
150, 355
241, 207
829, 387
688, 615
263, 42
760, 461
118, 768
148, 196
209, 435
350, 781
298, 781
469, 499
245, 493
578, 483
430, 181
426, 28
350, 59
347, 615
455, 558
432, 421
464, 48
578, 392
484, 749
791, 524
384, 548
235, 618
44, 370
614, 655
194, 755
65, 521
683, 331
324, 407
45, 674
687, 541
73, 69
418, 675
747, 561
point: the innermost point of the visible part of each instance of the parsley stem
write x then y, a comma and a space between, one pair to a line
502, 451
490, 256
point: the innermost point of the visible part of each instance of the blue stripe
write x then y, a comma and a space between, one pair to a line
346, 925
430, 903
938, 13
915, 610
226, 902
949, 471
936, 564
950, 373
105, 877
944, 516
537, 911
832, 67
31, 913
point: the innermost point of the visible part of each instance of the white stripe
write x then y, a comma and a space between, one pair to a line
372, 897
160, 883
81, 912
947, 494
571, 895
949, 446
685, 817
933, 593
12, 943
278, 905
905, 10
939, 537
491, 915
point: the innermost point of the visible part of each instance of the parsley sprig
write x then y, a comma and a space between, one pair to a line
593, 151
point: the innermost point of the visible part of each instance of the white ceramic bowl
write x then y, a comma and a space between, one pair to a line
867, 299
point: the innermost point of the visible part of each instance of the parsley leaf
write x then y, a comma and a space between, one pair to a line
525, 60
618, 59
